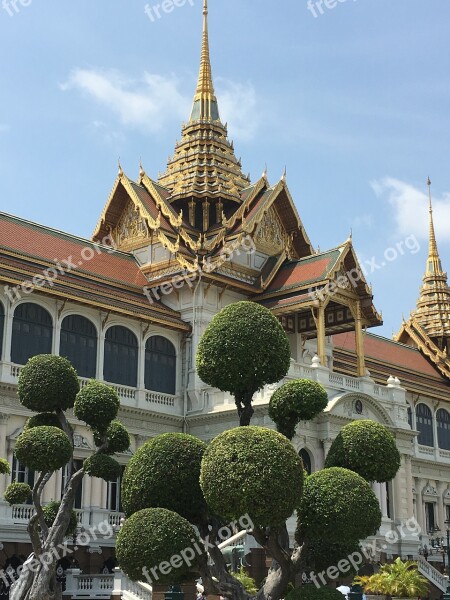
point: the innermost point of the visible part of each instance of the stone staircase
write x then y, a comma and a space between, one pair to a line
432, 574
80, 586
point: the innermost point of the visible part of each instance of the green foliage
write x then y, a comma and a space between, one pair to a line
296, 401
247, 581
311, 592
97, 405
243, 348
319, 554
398, 579
43, 448
102, 466
368, 448
48, 383
254, 471
43, 419
17, 493
152, 537
50, 513
164, 473
5, 469
116, 436
339, 506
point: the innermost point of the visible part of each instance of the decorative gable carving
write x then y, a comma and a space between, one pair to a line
131, 228
270, 236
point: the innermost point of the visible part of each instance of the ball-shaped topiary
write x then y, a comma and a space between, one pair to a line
5, 469
48, 383
97, 405
156, 539
165, 473
50, 513
319, 554
116, 436
340, 505
17, 493
368, 448
311, 592
43, 448
102, 466
254, 471
43, 419
296, 401
243, 348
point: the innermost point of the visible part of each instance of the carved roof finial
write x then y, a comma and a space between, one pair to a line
119, 166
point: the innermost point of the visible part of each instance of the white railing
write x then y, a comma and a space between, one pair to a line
22, 513
131, 590
114, 518
160, 399
15, 370
79, 585
432, 574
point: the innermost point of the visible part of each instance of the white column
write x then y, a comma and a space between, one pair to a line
384, 511
141, 365
96, 492
56, 335
409, 486
87, 491
441, 487
100, 355
9, 318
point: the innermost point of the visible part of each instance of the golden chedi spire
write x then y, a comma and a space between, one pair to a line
433, 306
204, 177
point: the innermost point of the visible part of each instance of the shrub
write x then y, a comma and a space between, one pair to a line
254, 471
164, 473
296, 401
248, 582
48, 383
243, 348
338, 505
43, 448
311, 592
43, 419
155, 537
97, 405
368, 448
17, 493
116, 435
50, 513
5, 469
102, 466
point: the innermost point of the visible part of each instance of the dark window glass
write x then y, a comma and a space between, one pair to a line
121, 356
22, 474
114, 499
160, 365
32, 333
388, 498
304, 455
79, 344
443, 429
410, 421
431, 522
424, 424
2, 327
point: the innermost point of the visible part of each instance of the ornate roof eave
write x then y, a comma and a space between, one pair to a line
259, 186
167, 211
418, 335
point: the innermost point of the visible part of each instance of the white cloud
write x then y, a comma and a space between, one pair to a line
238, 107
147, 103
153, 100
410, 205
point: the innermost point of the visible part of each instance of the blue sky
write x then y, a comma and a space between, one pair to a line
354, 101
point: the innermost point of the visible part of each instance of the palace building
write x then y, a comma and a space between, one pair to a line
129, 305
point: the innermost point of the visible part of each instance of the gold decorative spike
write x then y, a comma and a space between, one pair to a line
120, 170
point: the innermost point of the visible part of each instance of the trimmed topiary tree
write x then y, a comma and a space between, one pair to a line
145, 550
164, 473
97, 405
43, 448
311, 592
242, 468
17, 493
5, 469
296, 401
368, 448
102, 466
49, 385
243, 349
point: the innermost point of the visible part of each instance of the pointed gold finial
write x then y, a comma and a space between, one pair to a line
119, 166
283, 177
141, 170
205, 102
264, 174
433, 263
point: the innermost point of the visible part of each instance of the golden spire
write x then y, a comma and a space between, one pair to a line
205, 102
433, 306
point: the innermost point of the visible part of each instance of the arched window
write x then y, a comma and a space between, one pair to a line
160, 365
443, 428
424, 424
121, 356
79, 344
306, 459
2, 327
32, 333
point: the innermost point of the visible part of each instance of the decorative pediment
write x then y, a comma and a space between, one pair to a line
81, 442
429, 490
270, 236
131, 229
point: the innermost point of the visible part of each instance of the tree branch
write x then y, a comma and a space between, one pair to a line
59, 527
37, 492
33, 532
